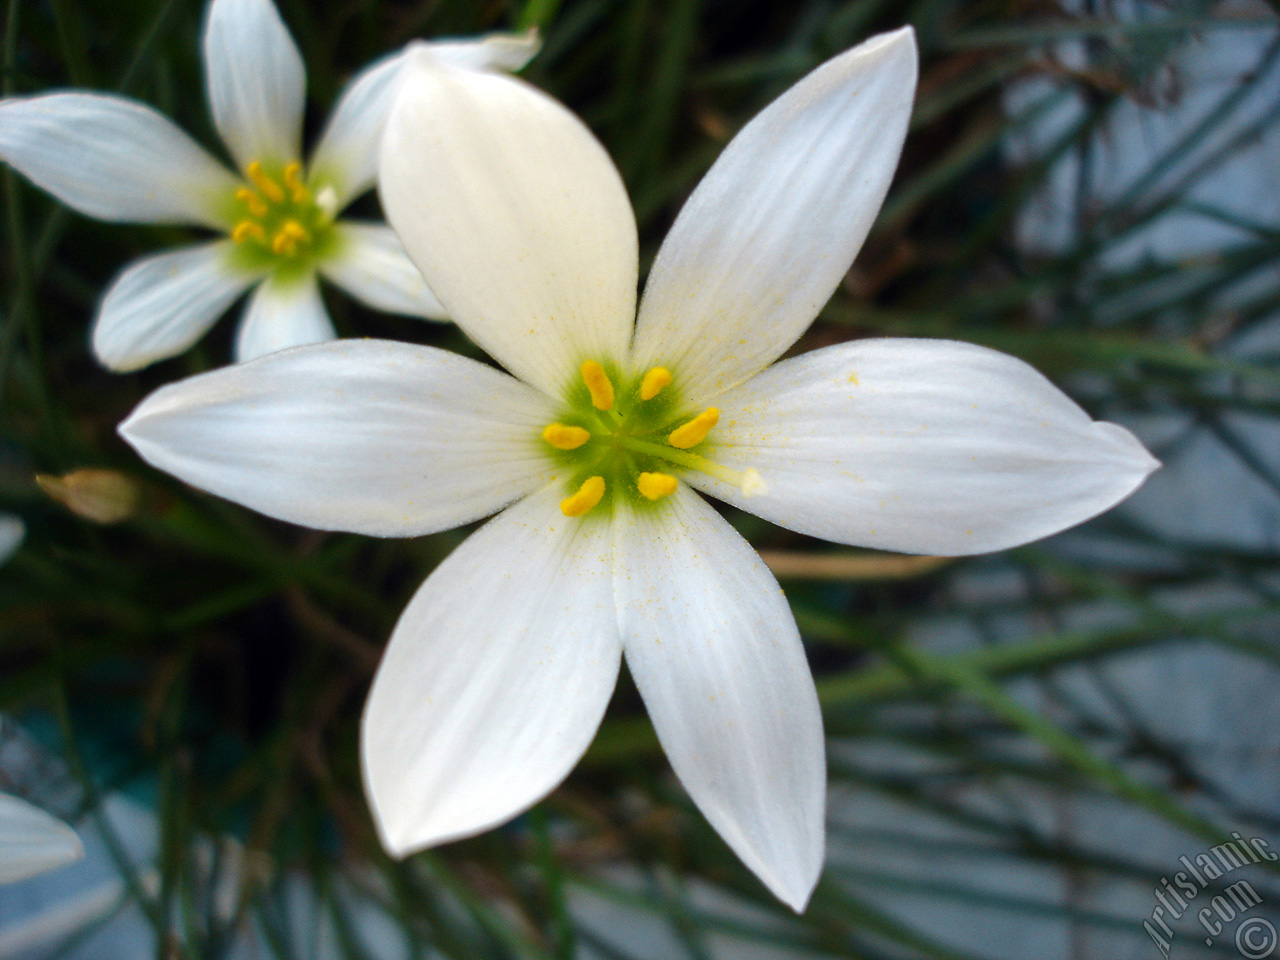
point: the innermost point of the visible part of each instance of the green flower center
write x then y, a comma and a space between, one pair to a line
279, 225
634, 441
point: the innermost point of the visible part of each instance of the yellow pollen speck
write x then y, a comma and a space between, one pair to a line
254, 202
297, 189
853, 378
655, 486
653, 382
295, 230
588, 495
695, 431
270, 189
565, 437
248, 229
598, 384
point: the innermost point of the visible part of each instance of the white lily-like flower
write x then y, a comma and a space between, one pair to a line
499, 671
32, 841
116, 159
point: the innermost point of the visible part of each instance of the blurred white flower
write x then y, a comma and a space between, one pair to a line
499, 671
12, 531
117, 159
31, 841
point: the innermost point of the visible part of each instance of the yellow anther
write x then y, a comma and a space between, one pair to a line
270, 189
655, 486
653, 382
283, 244
695, 431
295, 230
588, 495
292, 180
251, 200
598, 384
565, 437
248, 229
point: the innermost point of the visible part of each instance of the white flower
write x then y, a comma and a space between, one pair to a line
31, 841
498, 672
117, 159
12, 532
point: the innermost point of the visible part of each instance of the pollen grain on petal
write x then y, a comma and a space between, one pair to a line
565, 437
589, 494
655, 486
753, 484
695, 431
653, 382
598, 384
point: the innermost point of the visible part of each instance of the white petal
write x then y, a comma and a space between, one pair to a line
495, 679
256, 81
347, 155
714, 650
516, 217
282, 314
346, 158
373, 267
161, 305
12, 532
765, 238
369, 436
496, 51
114, 159
31, 841
920, 446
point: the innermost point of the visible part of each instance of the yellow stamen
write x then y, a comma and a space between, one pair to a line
254, 202
283, 244
270, 189
653, 382
247, 229
598, 384
295, 230
655, 486
695, 431
588, 495
297, 188
565, 437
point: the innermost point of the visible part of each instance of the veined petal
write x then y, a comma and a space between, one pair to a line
765, 238
161, 305
516, 217
495, 679
282, 314
369, 436
31, 841
256, 81
373, 267
714, 650
920, 446
12, 532
347, 155
113, 159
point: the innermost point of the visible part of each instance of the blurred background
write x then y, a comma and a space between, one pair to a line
1021, 746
